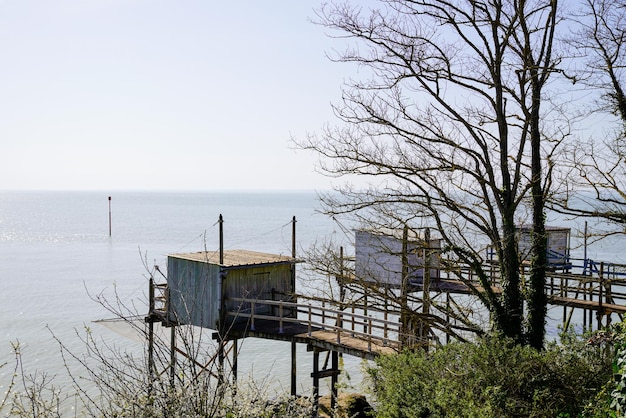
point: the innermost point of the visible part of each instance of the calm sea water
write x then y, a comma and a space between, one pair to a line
55, 250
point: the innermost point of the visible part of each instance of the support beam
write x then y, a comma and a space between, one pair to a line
293, 369
234, 367
316, 381
334, 380
172, 355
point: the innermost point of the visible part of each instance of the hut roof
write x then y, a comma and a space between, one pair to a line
236, 258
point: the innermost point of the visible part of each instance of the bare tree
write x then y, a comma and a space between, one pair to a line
451, 132
601, 39
599, 164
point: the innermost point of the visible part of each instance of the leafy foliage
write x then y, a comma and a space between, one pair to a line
493, 377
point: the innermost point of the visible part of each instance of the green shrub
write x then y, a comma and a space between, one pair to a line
493, 377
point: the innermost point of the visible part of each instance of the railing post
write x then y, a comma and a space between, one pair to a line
369, 340
280, 315
309, 319
385, 317
600, 295
252, 315
338, 326
352, 319
151, 296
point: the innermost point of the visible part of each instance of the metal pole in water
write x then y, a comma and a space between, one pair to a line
109, 215
221, 226
222, 315
295, 300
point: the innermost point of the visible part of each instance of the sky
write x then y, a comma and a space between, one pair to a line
162, 95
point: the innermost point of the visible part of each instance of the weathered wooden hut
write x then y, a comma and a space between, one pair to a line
558, 251
202, 290
379, 256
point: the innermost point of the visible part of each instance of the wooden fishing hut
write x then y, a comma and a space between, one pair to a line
558, 251
385, 256
203, 286
404, 260
205, 289
241, 293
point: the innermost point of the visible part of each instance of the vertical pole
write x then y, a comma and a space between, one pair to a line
386, 317
293, 254
365, 312
293, 368
293, 237
353, 318
220, 362
404, 320
342, 289
316, 380
151, 334
221, 232
608, 298
600, 295
294, 299
426, 287
172, 356
235, 361
309, 322
109, 215
447, 316
564, 292
585, 266
369, 334
584, 286
222, 325
334, 380
585, 251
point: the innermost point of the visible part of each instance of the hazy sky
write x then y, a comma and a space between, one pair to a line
155, 94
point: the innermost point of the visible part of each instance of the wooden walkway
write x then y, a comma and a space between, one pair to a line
591, 287
598, 290
317, 326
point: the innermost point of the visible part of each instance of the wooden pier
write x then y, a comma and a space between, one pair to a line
321, 328
241, 294
338, 328
597, 289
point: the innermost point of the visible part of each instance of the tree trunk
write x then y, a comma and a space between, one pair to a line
511, 323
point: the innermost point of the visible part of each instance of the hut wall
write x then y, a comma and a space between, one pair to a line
271, 282
378, 258
558, 245
196, 294
193, 292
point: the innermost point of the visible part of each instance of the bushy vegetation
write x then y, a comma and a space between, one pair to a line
496, 378
575, 377
128, 394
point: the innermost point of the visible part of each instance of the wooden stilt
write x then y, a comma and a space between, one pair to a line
235, 365
334, 380
151, 334
293, 369
172, 355
316, 381
220, 363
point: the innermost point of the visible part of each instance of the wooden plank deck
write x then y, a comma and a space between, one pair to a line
452, 286
593, 305
348, 344
323, 339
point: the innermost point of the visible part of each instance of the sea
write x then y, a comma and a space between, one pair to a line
61, 250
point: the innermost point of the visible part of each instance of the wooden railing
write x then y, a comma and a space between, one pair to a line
158, 298
600, 282
376, 331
